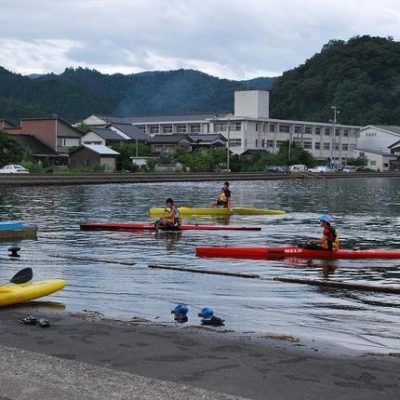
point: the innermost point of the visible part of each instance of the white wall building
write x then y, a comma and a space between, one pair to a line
250, 128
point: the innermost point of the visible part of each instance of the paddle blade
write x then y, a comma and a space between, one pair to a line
23, 276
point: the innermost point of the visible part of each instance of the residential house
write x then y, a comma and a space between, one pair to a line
376, 160
38, 152
4, 124
169, 144
53, 132
102, 136
92, 155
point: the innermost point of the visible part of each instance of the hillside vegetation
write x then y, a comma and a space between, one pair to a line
361, 77
78, 93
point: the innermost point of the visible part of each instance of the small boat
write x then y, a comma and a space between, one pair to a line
20, 288
157, 211
132, 226
15, 230
276, 252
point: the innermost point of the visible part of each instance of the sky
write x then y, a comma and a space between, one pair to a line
232, 39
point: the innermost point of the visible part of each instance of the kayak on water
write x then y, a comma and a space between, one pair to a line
132, 226
15, 230
274, 252
157, 211
12, 293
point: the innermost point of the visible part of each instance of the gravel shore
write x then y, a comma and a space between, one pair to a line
179, 362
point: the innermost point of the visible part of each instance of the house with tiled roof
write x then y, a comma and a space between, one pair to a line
55, 133
6, 124
92, 155
37, 151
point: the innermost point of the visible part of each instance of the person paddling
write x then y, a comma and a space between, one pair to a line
171, 217
224, 197
329, 239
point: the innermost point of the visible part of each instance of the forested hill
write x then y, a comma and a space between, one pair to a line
78, 93
361, 77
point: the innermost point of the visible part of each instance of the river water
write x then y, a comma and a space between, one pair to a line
365, 212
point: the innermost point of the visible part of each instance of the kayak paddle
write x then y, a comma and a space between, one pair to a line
23, 276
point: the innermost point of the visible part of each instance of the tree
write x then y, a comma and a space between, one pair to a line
128, 150
297, 155
10, 150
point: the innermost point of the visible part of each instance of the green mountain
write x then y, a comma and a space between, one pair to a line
77, 93
361, 77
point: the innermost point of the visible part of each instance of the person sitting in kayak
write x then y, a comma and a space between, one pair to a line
329, 239
224, 197
171, 217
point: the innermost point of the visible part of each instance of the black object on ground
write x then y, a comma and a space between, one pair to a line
214, 321
14, 251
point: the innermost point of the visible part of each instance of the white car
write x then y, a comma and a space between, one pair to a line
349, 168
319, 168
13, 169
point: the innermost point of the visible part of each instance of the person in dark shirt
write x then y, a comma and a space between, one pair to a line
329, 239
224, 198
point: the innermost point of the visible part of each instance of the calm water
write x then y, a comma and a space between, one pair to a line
365, 211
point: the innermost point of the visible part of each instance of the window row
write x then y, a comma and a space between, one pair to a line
309, 145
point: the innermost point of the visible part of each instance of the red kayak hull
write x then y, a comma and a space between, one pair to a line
132, 226
264, 253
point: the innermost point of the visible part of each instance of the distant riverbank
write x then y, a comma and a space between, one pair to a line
104, 178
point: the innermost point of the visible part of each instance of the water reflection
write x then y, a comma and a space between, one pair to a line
170, 238
365, 211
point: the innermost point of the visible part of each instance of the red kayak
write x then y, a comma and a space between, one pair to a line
263, 253
132, 226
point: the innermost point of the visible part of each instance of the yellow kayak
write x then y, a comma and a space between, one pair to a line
12, 293
157, 211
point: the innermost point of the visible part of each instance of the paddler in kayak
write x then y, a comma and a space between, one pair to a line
329, 239
171, 218
224, 197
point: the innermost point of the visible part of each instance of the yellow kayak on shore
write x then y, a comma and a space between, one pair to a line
157, 211
15, 293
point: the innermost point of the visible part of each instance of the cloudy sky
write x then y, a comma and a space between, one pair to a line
234, 39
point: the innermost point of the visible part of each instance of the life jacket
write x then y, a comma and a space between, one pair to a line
329, 235
173, 216
224, 196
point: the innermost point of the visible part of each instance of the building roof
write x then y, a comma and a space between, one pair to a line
107, 133
390, 128
174, 138
160, 118
394, 145
34, 145
98, 149
373, 151
203, 138
132, 131
6, 124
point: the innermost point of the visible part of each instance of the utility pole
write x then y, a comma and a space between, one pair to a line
227, 147
333, 135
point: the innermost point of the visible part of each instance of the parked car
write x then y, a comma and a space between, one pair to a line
298, 168
319, 168
274, 168
349, 168
13, 169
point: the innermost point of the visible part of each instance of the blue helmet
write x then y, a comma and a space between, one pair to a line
180, 309
206, 312
325, 218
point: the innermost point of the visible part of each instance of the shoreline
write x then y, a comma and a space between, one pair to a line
120, 178
229, 362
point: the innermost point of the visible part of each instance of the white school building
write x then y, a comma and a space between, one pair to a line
251, 128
